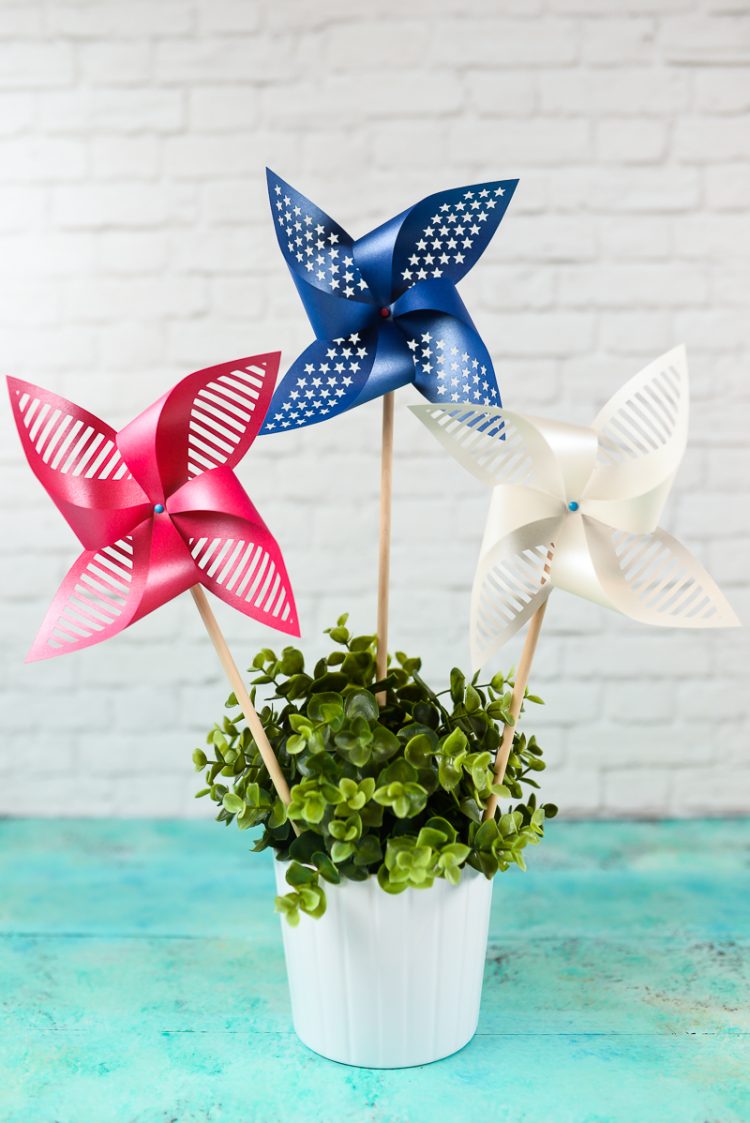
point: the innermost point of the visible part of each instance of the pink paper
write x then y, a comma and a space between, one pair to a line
156, 506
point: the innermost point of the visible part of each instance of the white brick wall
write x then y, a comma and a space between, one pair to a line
136, 245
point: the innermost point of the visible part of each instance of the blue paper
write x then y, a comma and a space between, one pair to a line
384, 308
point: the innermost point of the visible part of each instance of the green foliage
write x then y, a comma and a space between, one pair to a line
393, 790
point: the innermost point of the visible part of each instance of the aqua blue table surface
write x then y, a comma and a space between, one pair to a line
142, 981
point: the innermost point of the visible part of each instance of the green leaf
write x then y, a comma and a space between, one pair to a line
278, 815
292, 662
288, 906
325, 867
471, 810
358, 666
399, 771
454, 743
437, 823
458, 685
297, 686
384, 743
450, 772
486, 835
326, 707
233, 803
362, 704
298, 875
419, 751
369, 851
385, 883
473, 700
304, 846
395, 791
340, 851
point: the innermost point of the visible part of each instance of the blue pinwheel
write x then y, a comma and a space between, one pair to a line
384, 308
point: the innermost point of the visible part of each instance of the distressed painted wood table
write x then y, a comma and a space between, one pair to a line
142, 981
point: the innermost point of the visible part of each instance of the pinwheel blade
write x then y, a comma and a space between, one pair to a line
451, 363
642, 434
75, 456
98, 598
208, 420
240, 561
495, 445
327, 379
511, 583
228, 410
317, 250
447, 233
442, 236
654, 579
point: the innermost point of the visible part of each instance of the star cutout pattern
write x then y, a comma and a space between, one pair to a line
317, 244
388, 288
330, 375
448, 237
456, 375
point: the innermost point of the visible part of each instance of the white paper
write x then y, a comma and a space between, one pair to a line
578, 508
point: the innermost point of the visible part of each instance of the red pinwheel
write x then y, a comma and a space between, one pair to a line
157, 506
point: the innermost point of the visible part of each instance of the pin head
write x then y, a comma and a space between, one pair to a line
572, 506
385, 313
158, 508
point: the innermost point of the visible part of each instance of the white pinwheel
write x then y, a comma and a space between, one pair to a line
578, 508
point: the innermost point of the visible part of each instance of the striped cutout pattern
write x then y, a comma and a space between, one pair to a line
485, 441
646, 420
657, 572
69, 444
244, 571
97, 598
219, 417
508, 592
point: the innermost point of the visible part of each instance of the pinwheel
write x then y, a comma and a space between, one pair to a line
159, 510
578, 508
384, 308
386, 312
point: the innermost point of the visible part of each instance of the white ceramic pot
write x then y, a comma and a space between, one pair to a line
384, 981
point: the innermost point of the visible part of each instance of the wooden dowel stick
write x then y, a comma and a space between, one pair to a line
240, 692
519, 689
384, 556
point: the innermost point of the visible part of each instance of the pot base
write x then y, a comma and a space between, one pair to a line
383, 981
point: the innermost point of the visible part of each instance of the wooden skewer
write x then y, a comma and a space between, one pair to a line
243, 698
384, 557
519, 689
522, 678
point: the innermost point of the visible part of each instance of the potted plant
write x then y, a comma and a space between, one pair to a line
388, 782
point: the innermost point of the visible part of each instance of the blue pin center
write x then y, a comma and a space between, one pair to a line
158, 508
572, 506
